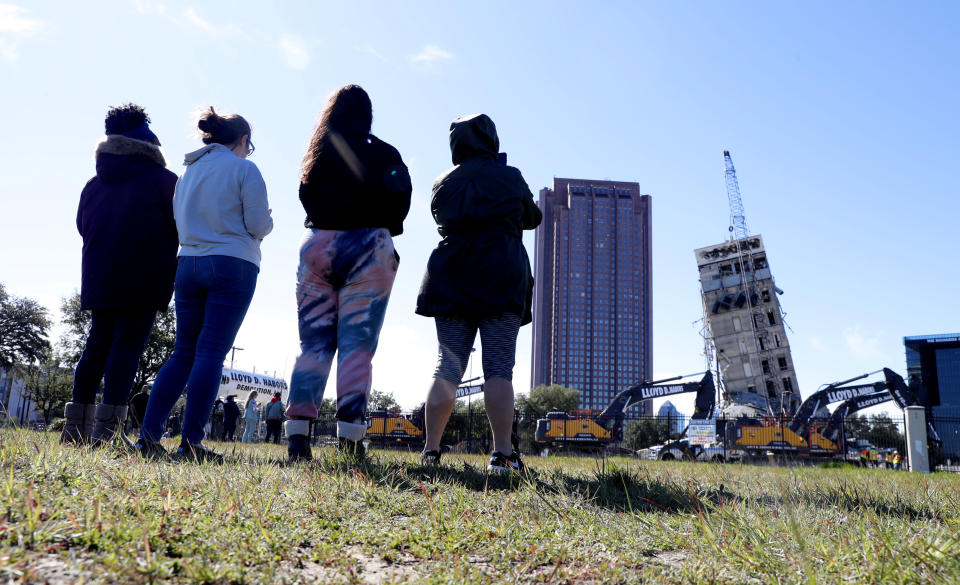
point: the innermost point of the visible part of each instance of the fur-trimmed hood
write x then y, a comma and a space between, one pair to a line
119, 158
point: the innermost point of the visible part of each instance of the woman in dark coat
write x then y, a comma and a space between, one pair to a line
129, 260
478, 279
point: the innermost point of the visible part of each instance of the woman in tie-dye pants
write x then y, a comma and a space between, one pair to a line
356, 192
343, 286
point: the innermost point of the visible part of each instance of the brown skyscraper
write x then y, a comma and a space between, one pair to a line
591, 305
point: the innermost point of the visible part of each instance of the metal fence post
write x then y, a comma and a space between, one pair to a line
916, 437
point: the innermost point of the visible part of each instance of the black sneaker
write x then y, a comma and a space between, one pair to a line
354, 451
197, 453
149, 449
430, 458
298, 448
501, 463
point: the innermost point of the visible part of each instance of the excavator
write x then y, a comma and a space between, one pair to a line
386, 425
588, 431
801, 435
903, 397
392, 426
831, 432
404, 429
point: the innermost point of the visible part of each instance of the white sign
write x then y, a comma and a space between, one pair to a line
702, 432
240, 384
468, 390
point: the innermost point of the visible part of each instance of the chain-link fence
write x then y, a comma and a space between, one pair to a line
872, 441
875, 440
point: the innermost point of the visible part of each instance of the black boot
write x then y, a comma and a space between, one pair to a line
298, 448
298, 440
150, 449
197, 453
353, 451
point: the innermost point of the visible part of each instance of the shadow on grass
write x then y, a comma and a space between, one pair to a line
611, 487
625, 489
622, 489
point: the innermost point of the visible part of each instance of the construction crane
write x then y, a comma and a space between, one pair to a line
738, 221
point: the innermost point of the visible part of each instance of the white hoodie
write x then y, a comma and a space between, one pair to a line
221, 205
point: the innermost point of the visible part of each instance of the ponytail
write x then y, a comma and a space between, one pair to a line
218, 129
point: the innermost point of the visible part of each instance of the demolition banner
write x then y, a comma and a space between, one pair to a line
240, 384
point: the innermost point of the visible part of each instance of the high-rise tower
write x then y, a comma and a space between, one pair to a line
591, 308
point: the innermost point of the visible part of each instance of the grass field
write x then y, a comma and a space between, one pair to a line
98, 516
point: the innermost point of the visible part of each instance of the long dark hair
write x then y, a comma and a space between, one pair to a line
345, 121
218, 129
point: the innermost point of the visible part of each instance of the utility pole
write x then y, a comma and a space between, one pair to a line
470, 408
233, 350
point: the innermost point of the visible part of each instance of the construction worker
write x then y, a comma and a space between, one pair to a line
863, 457
873, 456
896, 460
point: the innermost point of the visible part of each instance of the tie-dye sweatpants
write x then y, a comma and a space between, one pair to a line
343, 285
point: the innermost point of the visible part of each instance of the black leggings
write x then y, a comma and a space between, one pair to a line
112, 353
498, 336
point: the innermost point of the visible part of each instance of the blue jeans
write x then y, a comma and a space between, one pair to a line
112, 353
212, 295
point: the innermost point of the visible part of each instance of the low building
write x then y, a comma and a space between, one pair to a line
15, 407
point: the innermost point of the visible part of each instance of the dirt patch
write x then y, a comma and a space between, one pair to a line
360, 567
53, 570
670, 557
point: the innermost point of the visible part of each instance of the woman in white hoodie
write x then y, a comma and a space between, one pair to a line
222, 215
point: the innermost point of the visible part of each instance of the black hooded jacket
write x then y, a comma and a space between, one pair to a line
480, 268
129, 235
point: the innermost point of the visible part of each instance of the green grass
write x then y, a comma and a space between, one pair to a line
72, 515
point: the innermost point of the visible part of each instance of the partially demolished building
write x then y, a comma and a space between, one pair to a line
744, 325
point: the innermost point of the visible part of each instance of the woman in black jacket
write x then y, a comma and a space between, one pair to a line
478, 279
129, 260
356, 192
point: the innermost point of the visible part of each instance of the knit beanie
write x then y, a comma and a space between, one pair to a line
131, 121
142, 132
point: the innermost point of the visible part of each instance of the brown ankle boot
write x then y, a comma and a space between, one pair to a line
78, 426
109, 419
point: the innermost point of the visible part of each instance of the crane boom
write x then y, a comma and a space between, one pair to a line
738, 221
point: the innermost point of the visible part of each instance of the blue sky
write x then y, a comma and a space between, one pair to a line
841, 119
